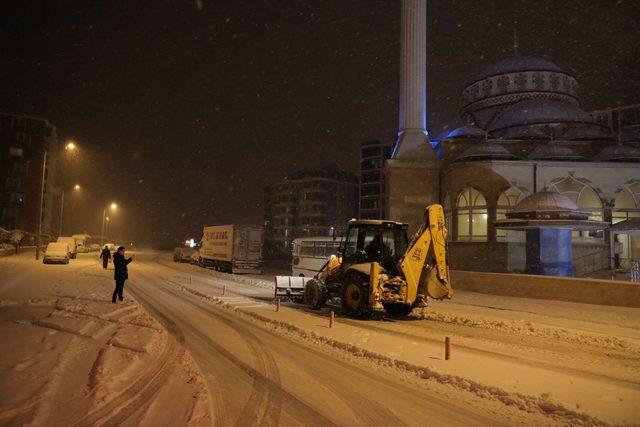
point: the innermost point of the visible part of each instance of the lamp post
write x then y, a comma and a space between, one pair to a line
75, 188
70, 147
113, 207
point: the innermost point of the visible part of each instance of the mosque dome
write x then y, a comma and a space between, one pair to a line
545, 201
619, 153
485, 151
513, 80
516, 64
466, 131
552, 151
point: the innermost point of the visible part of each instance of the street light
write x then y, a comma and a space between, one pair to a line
113, 206
75, 188
70, 147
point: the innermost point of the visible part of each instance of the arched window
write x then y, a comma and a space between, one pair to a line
627, 204
471, 209
506, 202
585, 197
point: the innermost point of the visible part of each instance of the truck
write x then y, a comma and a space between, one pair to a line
380, 269
231, 248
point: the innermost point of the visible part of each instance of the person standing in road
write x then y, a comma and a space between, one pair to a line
105, 255
121, 273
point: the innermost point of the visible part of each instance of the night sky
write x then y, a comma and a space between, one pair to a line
186, 109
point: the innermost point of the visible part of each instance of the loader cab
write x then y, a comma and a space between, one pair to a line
381, 241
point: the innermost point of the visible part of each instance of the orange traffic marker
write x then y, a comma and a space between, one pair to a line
447, 348
277, 303
331, 316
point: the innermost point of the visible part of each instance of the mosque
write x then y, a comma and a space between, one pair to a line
522, 131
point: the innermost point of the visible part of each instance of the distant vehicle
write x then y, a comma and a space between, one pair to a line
82, 242
232, 249
183, 254
95, 247
73, 247
310, 254
195, 256
56, 252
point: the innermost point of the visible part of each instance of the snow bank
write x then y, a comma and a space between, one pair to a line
525, 327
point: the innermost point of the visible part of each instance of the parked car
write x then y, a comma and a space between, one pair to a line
71, 242
182, 254
56, 252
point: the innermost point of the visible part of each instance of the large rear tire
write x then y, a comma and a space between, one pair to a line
314, 294
354, 297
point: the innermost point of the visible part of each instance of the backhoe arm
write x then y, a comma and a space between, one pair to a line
424, 264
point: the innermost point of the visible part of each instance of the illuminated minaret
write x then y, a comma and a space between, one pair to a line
412, 174
413, 77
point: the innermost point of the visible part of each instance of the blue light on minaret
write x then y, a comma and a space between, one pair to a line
412, 124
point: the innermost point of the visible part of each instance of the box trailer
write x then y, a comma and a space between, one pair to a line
232, 248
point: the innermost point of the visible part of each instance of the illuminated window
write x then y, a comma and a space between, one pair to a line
472, 215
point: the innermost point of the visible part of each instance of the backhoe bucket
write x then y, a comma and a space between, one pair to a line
436, 288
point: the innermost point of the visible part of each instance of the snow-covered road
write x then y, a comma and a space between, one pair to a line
232, 359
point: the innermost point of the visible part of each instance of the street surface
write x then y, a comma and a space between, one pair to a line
194, 347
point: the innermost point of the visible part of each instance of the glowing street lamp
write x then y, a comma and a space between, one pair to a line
113, 206
75, 188
70, 146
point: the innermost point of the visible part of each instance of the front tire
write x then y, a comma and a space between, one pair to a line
354, 297
314, 295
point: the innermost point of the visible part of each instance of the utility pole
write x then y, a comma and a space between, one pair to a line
61, 210
41, 206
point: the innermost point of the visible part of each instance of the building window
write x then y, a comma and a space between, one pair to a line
586, 199
472, 215
16, 152
506, 202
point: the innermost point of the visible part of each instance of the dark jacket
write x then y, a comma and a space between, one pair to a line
120, 263
106, 254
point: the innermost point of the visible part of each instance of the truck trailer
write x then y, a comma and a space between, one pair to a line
232, 248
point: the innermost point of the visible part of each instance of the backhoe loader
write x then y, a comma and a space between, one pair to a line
381, 270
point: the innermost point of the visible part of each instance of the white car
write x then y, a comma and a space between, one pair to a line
73, 247
56, 252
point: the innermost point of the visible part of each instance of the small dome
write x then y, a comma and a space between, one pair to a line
517, 64
545, 201
618, 153
486, 151
466, 131
552, 151
535, 112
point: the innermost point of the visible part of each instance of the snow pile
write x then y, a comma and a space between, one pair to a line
256, 283
525, 327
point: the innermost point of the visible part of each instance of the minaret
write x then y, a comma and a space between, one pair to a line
412, 175
413, 77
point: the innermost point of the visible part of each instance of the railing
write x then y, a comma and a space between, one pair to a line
592, 262
634, 273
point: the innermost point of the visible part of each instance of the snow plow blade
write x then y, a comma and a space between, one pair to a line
290, 286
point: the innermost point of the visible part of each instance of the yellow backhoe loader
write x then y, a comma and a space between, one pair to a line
381, 270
